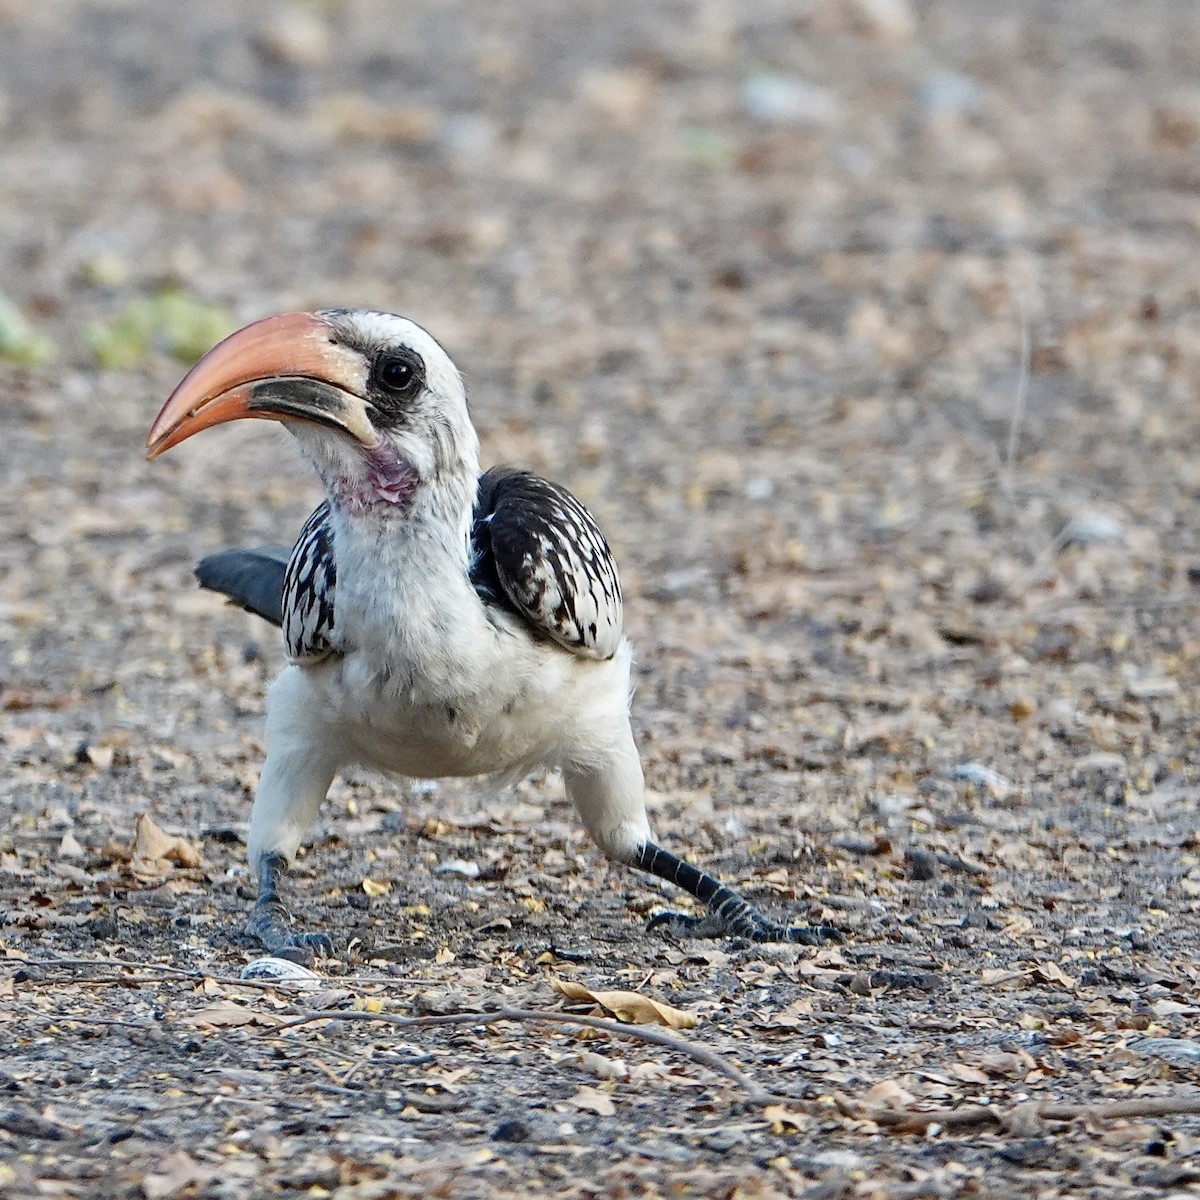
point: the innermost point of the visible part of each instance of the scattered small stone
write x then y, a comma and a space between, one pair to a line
862, 846
947, 92
1101, 762
1151, 689
458, 866
922, 864
1093, 529
1178, 1050
1030, 1152
280, 970
30, 1125
785, 100
982, 776
511, 1129
721, 1141
295, 37
892, 22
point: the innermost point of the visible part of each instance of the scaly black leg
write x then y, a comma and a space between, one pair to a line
728, 914
271, 922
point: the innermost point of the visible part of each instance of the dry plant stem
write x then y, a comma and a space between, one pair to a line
913, 1121
103, 962
1008, 470
706, 1058
196, 976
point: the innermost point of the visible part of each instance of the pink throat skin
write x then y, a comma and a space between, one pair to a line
391, 480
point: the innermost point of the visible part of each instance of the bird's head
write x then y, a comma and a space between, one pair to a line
375, 402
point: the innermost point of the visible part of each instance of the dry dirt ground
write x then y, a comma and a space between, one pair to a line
870, 330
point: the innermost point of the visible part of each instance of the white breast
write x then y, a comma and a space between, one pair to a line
430, 682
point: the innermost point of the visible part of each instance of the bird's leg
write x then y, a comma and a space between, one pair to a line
729, 915
302, 757
608, 792
271, 922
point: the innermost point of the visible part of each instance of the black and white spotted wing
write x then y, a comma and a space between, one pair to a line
308, 590
540, 552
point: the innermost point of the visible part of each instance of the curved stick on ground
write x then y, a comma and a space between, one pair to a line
715, 1062
1016, 1118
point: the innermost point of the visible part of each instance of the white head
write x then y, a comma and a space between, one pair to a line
376, 404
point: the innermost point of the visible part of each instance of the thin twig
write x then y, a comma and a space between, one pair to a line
197, 975
699, 1054
1018, 1116
1008, 470
64, 1019
102, 962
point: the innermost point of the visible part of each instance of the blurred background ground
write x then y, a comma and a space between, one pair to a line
870, 330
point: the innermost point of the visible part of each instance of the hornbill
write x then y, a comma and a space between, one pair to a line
438, 621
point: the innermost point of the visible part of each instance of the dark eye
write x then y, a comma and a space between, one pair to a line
397, 376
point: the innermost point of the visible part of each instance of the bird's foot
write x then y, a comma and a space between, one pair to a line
750, 924
728, 914
271, 924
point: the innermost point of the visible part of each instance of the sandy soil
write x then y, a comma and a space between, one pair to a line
870, 330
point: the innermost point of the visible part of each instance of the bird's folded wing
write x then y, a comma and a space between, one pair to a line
540, 552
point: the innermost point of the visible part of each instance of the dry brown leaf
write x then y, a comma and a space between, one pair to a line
994, 976
176, 1171
784, 1120
154, 853
228, 1014
591, 1100
965, 1073
604, 1067
1051, 972
889, 1094
631, 1007
69, 847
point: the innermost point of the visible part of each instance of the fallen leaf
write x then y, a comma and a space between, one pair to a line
631, 1007
175, 1171
374, 888
69, 847
154, 853
604, 1067
591, 1100
994, 976
228, 1014
783, 1120
965, 1073
1051, 972
889, 1094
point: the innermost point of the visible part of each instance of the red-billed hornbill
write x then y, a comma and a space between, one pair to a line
439, 622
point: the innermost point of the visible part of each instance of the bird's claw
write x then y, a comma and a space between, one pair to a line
751, 925
269, 924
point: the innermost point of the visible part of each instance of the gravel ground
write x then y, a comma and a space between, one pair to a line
870, 330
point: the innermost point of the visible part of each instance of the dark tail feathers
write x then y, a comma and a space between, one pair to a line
252, 579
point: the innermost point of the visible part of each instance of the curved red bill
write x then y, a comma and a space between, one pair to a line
221, 386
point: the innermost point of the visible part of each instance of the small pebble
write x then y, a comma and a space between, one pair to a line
982, 776
1092, 529
783, 100
281, 970
511, 1130
458, 866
